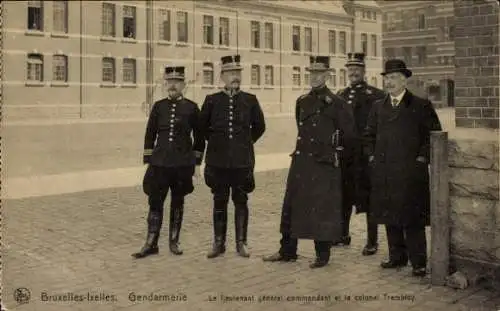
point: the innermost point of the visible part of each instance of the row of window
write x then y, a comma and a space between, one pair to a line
35, 72
409, 20
416, 56
35, 69
302, 37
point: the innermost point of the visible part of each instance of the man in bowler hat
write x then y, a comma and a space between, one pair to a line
312, 206
171, 155
361, 97
398, 145
232, 122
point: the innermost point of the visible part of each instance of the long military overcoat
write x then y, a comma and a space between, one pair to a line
361, 98
396, 137
314, 184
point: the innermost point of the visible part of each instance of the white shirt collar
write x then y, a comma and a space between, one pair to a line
399, 97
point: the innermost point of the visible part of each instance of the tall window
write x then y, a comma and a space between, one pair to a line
108, 70
129, 25
407, 55
342, 78
296, 76
374, 45
389, 53
374, 81
269, 75
308, 39
60, 16
364, 43
255, 29
332, 41
129, 70
35, 15
208, 29
164, 22
35, 68
60, 68
296, 38
108, 20
224, 31
451, 32
269, 36
182, 27
390, 21
307, 78
332, 79
422, 54
208, 74
255, 79
421, 21
342, 42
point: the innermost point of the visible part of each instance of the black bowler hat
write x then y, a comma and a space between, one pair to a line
319, 63
355, 59
396, 65
174, 73
231, 62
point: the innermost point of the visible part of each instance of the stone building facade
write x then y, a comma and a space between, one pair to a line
87, 59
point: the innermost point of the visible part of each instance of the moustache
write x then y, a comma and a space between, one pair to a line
236, 81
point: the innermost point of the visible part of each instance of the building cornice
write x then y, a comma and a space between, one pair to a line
293, 11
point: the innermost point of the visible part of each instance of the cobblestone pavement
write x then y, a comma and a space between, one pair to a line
55, 149
82, 242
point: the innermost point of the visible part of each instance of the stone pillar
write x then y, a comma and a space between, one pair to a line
477, 63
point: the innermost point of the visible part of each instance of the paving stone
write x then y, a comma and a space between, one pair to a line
82, 242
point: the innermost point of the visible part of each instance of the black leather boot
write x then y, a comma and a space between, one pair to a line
220, 227
371, 246
241, 226
155, 219
176, 214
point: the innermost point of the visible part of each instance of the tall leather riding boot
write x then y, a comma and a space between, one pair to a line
155, 220
241, 226
345, 240
176, 214
220, 227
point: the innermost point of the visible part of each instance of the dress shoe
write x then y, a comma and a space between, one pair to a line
393, 264
318, 263
242, 250
369, 250
278, 257
344, 241
421, 272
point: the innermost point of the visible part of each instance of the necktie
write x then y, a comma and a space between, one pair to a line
394, 102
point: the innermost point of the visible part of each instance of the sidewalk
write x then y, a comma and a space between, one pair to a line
36, 186
80, 244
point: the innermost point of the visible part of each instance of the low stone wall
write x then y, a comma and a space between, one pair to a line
475, 206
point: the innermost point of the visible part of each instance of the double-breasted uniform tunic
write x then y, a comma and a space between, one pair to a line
231, 124
361, 97
313, 193
173, 145
396, 136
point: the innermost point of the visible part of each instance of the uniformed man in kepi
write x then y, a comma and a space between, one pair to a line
360, 96
312, 206
232, 121
171, 160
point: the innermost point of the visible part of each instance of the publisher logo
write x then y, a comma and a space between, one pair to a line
22, 295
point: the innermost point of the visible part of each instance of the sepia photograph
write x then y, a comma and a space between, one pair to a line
250, 155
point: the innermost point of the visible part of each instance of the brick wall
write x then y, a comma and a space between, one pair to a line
477, 63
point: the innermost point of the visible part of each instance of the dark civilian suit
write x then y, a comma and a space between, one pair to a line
396, 136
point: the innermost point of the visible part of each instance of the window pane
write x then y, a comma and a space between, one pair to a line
129, 22
129, 70
332, 41
182, 27
208, 29
255, 75
224, 31
108, 70
208, 74
35, 67
60, 16
164, 25
59, 68
108, 19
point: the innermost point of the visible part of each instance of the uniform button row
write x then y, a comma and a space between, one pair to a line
298, 152
299, 138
